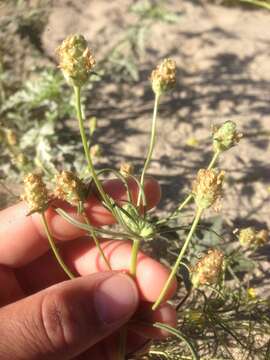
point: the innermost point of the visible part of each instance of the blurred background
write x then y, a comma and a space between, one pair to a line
223, 58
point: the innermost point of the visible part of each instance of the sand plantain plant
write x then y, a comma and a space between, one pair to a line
33, 96
210, 312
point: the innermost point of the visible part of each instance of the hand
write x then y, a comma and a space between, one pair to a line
42, 316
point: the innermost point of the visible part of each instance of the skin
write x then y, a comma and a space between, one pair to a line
43, 315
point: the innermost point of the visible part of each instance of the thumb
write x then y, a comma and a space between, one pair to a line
68, 318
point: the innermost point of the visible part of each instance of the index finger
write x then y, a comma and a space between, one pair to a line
23, 238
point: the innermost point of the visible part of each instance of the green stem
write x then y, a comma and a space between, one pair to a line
184, 203
151, 145
263, 4
177, 210
97, 243
190, 196
214, 160
91, 168
54, 248
133, 265
85, 227
134, 255
178, 261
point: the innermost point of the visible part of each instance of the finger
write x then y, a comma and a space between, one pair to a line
67, 319
110, 346
151, 275
10, 289
145, 317
23, 239
96, 352
108, 349
83, 257
50, 273
138, 335
136, 344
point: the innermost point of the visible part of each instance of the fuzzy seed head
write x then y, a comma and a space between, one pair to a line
207, 271
35, 193
250, 238
75, 59
163, 78
225, 136
126, 169
207, 187
69, 188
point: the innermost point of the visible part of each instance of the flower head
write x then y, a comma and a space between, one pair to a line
75, 59
207, 187
69, 188
126, 169
250, 238
207, 271
35, 193
163, 78
225, 136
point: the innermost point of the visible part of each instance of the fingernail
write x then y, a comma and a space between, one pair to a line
116, 299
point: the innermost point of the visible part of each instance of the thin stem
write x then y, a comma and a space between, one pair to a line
133, 265
97, 243
85, 227
235, 277
181, 303
117, 175
189, 197
178, 261
185, 202
257, 3
54, 248
134, 255
177, 210
91, 168
151, 145
214, 160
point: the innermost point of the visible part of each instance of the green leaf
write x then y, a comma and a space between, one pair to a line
263, 4
87, 227
180, 336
